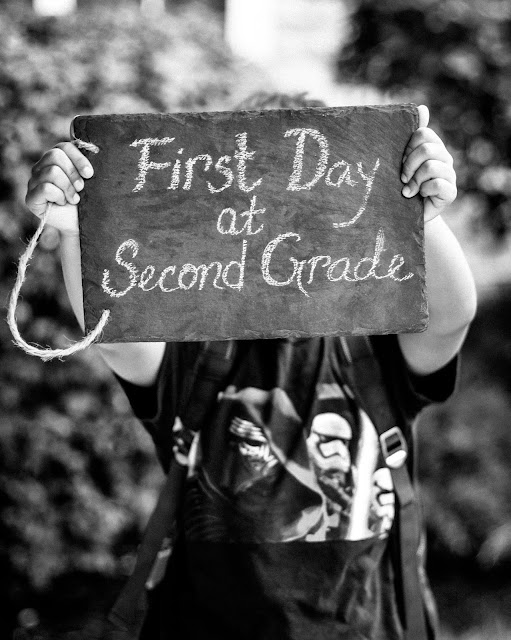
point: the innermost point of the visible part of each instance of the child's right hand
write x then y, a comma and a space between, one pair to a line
58, 177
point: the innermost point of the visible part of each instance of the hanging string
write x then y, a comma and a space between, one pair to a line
45, 353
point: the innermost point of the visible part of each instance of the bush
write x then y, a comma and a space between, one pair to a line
465, 448
101, 61
77, 474
456, 56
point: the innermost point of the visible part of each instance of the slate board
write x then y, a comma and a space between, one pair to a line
290, 203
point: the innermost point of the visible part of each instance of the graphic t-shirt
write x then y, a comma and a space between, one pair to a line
288, 503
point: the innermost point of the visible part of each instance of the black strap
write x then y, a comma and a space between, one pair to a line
130, 608
204, 378
369, 388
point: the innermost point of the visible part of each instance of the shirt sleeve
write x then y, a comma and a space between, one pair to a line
156, 406
411, 392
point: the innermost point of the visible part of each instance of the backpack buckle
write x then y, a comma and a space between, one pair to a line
159, 565
394, 448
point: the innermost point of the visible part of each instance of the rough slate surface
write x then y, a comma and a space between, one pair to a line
325, 192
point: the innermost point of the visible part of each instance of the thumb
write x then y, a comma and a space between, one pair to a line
64, 218
423, 115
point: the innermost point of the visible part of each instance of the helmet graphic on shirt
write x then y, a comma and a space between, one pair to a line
263, 479
328, 442
254, 449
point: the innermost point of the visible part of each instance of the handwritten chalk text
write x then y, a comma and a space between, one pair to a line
337, 174
242, 155
186, 277
301, 273
313, 164
336, 270
226, 223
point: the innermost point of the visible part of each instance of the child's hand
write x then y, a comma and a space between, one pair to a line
428, 169
58, 178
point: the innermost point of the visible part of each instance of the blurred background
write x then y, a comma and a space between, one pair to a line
78, 475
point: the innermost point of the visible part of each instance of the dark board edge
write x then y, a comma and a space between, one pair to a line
247, 113
276, 334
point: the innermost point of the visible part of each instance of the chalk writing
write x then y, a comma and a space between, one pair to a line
294, 180
242, 155
247, 227
144, 164
344, 177
369, 179
334, 270
225, 171
299, 265
303, 271
176, 172
190, 163
197, 273
275, 223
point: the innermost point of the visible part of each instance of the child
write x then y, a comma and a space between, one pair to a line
288, 503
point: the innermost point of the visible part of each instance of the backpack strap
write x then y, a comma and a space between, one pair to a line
367, 384
204, 378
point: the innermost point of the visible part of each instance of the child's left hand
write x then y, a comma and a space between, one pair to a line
428, 169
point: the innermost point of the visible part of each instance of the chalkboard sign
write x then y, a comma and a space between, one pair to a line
207, 226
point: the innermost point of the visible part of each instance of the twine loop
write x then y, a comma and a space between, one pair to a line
88, 146
45, 353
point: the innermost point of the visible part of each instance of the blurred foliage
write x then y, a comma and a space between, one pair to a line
465, 449
465, 478
77, 475
95, 62
78, 481
455, 55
